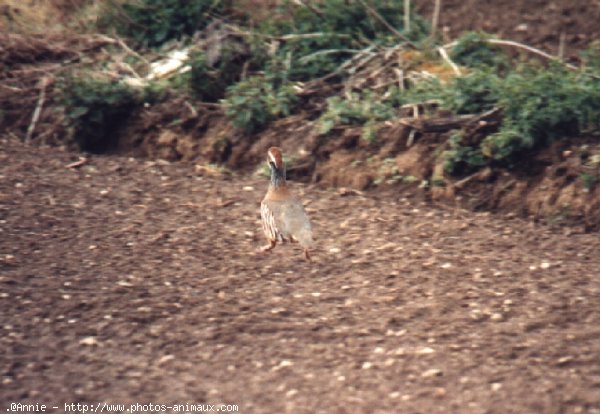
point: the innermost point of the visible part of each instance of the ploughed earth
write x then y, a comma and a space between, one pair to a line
134, 281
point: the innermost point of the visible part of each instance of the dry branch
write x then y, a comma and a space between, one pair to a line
436, 18
407, 15
38, 108
511, 43
447, 123
445, 56
391, 28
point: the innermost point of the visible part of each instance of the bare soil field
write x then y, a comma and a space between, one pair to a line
124, 281
135, 280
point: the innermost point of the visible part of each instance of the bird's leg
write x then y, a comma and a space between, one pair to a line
269, 246
307, 255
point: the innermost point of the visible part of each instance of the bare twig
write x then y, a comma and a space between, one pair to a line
209, 105
501, 42
445, 56
411, 137
561, 45
38, 109
292, 36
386, 24
307, 58
407, 15
11, 88
191, 108
309, 7
436, 17
78, 163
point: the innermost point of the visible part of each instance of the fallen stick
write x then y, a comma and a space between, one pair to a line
436, 18
386, 24
501, 42
38, 109
407, 15
445, 56
78, 163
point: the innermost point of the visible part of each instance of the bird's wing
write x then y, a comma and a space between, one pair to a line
291, 220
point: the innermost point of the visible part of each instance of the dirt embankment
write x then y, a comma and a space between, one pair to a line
549, 185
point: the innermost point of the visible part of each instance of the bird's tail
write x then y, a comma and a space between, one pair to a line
305, 238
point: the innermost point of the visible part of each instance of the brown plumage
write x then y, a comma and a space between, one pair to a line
283, 215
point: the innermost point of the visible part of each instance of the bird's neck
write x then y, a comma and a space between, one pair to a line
278, 178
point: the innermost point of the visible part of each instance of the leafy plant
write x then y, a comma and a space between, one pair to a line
153, 22
208, 83
357, 109
329, 31
253, 102
473, 50
461, 159
96, 109
539, 105
590, 181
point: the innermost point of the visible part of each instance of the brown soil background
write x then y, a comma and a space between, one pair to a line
134, 281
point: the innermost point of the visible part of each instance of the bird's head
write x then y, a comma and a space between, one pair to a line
275, 160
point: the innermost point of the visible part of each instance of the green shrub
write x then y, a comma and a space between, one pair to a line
96, 109
476, 92
591, 58
590, 181
461, 159
341, 26
539, 105
208, 83
473, 50
357, 109
254, 102
152, 22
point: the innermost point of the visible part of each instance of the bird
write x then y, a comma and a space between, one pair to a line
282, 213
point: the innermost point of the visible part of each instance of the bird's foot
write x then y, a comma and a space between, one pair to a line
268, 247
307, 255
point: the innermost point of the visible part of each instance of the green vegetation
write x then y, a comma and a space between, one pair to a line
253, 102
208, 83
539, 105
356, 109
153, 22
96, 109
473, 51
321, 37
256, 73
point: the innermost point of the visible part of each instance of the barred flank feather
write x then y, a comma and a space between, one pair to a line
268, 223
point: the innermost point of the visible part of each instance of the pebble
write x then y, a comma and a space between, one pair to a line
425, 351
496, 317
88, 341
439, 392
433, 372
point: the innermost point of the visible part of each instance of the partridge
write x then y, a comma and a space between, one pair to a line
283, 215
